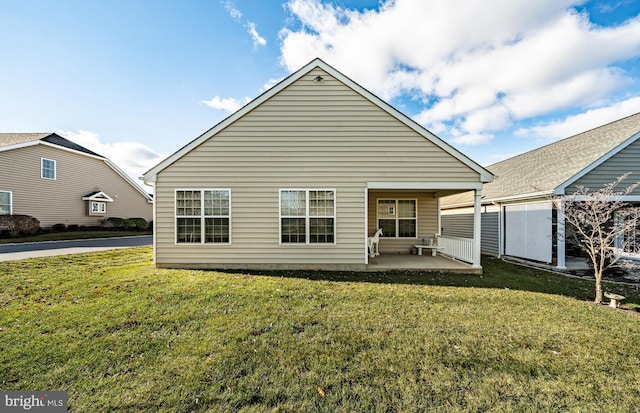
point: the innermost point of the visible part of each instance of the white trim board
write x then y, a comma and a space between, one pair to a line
425, 185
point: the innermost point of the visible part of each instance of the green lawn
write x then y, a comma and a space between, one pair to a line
120, 335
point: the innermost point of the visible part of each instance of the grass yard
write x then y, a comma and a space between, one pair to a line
120, 335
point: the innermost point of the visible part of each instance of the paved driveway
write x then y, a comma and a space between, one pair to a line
9, 252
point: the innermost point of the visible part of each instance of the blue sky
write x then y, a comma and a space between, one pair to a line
136, 80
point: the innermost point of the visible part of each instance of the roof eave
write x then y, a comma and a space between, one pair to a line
127, 178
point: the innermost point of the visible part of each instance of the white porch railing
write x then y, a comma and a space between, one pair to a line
457, 247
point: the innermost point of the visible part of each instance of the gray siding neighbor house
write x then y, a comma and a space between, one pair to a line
59, 182
301, 176
517, 215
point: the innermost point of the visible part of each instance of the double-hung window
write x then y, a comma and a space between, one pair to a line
629, 241
47, 168
398, 218
203, 216
98, 208
307, 216
5, 203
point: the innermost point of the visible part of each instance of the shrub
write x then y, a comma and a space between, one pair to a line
115, 222
58, 227
17, 225
72, 227
139, 224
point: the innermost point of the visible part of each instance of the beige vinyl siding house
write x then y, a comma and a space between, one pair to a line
523, 223
57, 181
304, 166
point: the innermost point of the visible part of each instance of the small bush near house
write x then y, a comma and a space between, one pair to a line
136, 224
139, 224
115, 222
72, 227
16, 225
58, 227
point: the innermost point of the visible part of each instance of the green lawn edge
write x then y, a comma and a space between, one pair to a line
72, 235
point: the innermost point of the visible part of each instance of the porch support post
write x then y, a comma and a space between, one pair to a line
561, 253
366, 226
477, 211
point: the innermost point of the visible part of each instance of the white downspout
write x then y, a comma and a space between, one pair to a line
560, 236
477, 215
366, 225
500, 230
439, 230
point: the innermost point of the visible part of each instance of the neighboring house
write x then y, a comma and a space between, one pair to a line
517, 215
301, 176
57, 181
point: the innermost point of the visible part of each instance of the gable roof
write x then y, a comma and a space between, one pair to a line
485, 175
551, 168
11, 139
97, 196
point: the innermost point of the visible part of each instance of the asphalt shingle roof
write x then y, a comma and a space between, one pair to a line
546, 168
8, 139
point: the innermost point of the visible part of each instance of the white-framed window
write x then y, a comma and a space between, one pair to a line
48, 168
307, 216
6, 203
98, 208
398, 218
629, 242
203, 216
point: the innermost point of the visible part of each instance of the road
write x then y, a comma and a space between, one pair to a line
10, 252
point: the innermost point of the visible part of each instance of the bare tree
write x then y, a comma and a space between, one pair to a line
602, 225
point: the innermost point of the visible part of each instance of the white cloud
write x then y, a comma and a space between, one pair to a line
251, 26
270, 83
233, 10
228, 105
132, 157
472, 139
478, 65
590, 119
257, 39
583, 89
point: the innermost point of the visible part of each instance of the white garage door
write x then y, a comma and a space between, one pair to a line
528, 231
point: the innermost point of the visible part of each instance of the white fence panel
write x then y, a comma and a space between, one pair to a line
457, 247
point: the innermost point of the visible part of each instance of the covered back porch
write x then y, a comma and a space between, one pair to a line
409, 215
420, 263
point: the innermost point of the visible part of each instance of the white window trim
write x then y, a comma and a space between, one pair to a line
619, 242
55, 169
10, 201
102, 203
202, 217
396, 217
306, 220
